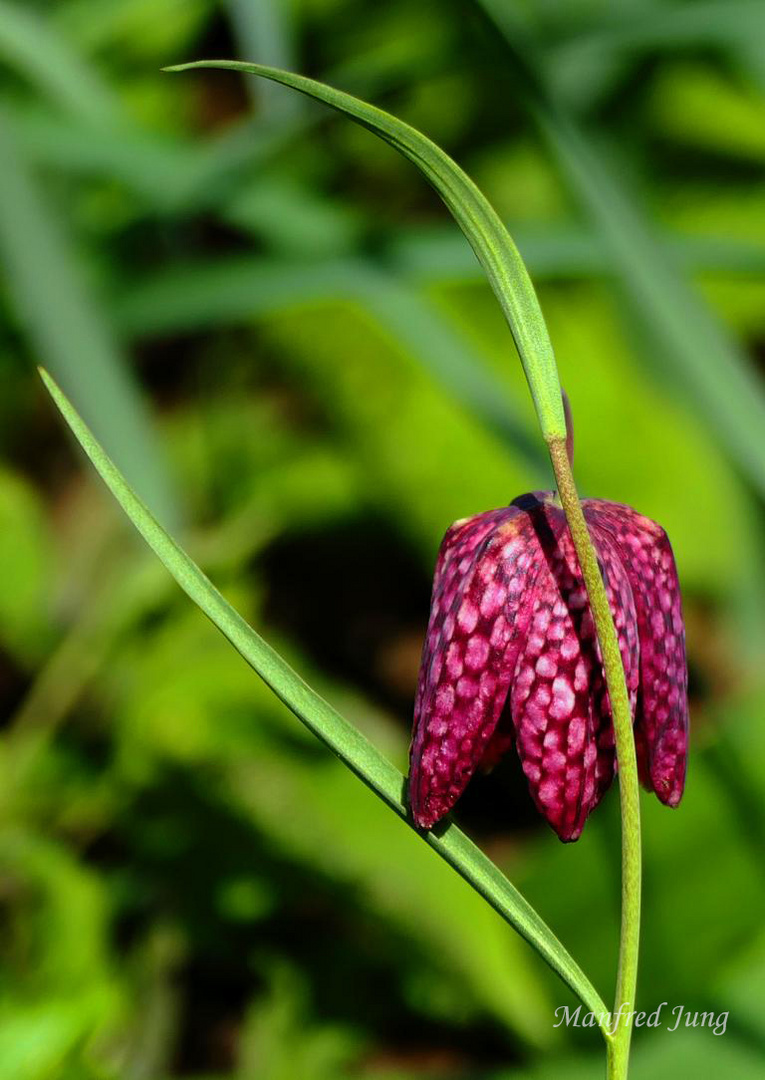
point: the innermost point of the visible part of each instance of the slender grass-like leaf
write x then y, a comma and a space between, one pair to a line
176, 175
703, 22
67, 331
705, 358
180, 175
151, 167
322, 817
111, 29
262, 28
584, 65
333, 730
478, 220
37, 52
435, 254
146, 164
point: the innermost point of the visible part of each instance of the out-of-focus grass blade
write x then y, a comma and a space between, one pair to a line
666, 27
176, 175
419, 325
170, 173
479, 222
28, 44
582, 65
120, 27
181, 176
263, 28
146, 165
173, 174
198, 297
320, 718
706, 359
317, 814
67, 332
562, 251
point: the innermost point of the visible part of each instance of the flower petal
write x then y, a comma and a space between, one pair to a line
477, 621
661, 728
559, 702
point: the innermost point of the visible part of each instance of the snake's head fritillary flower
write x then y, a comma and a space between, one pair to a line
511, 656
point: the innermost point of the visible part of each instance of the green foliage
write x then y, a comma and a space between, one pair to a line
346, 742
27, 558
317, 369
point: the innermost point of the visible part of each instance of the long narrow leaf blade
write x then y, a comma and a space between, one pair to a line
30, 45
319, 717
479, 222
63, 322
262, 28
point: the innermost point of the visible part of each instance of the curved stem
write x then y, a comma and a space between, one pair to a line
618, 1044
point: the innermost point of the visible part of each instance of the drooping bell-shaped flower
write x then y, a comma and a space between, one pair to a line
511, 656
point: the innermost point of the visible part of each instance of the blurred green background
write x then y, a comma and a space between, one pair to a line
276, 330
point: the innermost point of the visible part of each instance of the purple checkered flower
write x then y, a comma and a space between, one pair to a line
511, 657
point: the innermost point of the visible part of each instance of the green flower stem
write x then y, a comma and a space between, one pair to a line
618, 1043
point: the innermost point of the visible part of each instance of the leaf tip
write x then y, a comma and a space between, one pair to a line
59, 397
47, 378
189, 64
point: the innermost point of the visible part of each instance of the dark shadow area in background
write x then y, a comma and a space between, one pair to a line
356, 599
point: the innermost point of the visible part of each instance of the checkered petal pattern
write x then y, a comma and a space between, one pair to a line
511, 656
